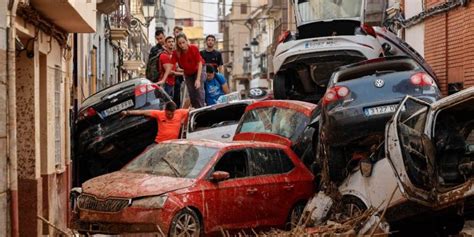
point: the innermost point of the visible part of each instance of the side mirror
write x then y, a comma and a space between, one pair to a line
218, 176
366, 166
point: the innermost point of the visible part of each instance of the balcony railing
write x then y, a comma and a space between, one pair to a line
120, 22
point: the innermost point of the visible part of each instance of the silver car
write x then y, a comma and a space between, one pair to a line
216, 122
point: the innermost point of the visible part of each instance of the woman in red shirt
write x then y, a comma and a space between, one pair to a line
189, 59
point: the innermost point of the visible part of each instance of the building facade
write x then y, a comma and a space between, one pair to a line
190, 16
35, 93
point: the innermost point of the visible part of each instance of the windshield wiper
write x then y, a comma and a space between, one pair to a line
175, 171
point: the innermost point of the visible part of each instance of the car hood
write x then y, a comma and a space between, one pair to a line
130, 185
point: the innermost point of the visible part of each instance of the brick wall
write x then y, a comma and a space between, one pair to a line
449, 45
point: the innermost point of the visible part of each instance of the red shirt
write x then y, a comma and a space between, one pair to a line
165, 58
188, 60
169, 129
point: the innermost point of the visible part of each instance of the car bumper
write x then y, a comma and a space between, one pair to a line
129, 220
97, 137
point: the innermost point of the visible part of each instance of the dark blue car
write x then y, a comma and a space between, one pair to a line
103, 141
362, 97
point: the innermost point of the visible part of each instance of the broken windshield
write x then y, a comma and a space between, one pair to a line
321, 10
175, 160
280, 121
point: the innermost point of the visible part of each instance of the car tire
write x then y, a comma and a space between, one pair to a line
187, 223
294, 215
280, 87
353, 206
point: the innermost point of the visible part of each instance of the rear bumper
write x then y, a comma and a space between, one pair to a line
134, 129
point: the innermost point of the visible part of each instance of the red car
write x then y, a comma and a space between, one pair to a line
281, 121
197, 187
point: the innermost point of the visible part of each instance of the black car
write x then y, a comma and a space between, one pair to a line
103, 140
362, 97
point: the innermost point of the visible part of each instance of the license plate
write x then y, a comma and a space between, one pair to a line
319, 44
117, 108
385, 109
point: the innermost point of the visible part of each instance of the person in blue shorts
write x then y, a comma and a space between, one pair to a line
214, 86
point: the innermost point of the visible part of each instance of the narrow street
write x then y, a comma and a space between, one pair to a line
236, 118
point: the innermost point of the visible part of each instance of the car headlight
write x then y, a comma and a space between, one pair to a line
150, 202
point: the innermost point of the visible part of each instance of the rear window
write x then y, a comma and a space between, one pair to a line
117, 87
222, 116
375, 69
279, 121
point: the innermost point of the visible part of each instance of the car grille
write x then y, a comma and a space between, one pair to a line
89, 202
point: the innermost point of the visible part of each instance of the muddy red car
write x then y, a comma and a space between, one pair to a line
281, 121
197, 187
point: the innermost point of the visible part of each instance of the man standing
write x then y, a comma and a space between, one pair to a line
179, 88
152, 70
167, 68
169, 121
214, 86
211, 56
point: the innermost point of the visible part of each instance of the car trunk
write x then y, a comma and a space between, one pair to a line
109, 102
315, 69
217, 123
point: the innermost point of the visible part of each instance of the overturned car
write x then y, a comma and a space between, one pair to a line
330, 34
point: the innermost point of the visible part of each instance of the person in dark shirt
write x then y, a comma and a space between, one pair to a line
211, 56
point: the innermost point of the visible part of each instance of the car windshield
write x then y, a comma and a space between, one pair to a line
279, 121
320, 10
174, 160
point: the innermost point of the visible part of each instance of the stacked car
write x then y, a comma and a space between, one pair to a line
352, 100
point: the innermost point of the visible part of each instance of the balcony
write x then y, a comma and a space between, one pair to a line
107, 6
73, 16
120, 23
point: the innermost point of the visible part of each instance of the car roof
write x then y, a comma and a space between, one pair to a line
300, 106
220, 145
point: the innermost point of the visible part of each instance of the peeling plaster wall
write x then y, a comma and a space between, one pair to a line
4, 205
43, 179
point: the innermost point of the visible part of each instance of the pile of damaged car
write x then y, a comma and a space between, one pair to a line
355, 138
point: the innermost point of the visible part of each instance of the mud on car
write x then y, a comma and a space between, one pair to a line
103, 141
330, 34
426, 162
197, 188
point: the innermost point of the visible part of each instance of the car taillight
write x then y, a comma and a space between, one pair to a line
421, 79
87, 113
283, 36
142, 89
369, 30
335, 93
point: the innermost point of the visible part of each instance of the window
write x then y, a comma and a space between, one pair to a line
235, 163
269, 161
243, 8
187, 22
57, 117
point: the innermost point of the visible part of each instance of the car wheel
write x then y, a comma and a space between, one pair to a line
353, 206
186, 223
295, 215
280, 87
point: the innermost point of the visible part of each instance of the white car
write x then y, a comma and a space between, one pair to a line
330, 34
216, 122
423, 175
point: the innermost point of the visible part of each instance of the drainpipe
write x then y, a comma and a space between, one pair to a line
12, 126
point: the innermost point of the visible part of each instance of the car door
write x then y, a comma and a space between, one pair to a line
232, 203
412, 150
275, 194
